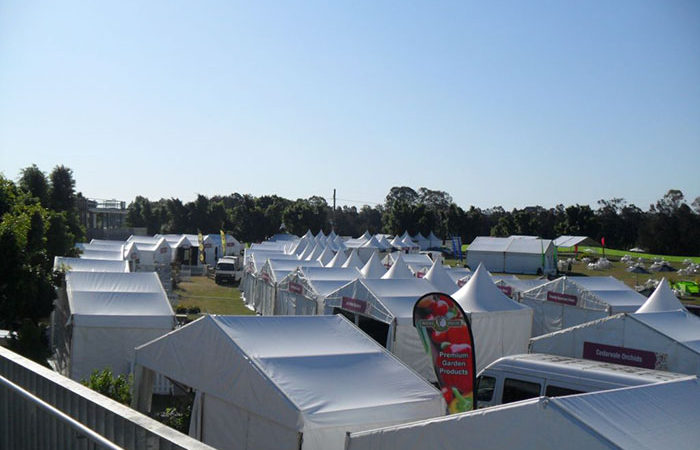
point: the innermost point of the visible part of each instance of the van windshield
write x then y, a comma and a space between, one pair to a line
225, 267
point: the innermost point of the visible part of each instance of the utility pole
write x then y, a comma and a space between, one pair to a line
333, 224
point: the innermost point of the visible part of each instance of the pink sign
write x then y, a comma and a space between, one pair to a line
354, 305
265, 276
627, 356
295, 287
506, 290
566, 299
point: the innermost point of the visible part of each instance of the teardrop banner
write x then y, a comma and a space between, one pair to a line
447, 338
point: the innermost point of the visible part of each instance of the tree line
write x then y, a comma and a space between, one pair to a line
670, 226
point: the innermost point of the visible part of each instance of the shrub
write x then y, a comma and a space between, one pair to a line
105, 383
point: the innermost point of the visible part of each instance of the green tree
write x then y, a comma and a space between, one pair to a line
117, 388
62, 192
33, 181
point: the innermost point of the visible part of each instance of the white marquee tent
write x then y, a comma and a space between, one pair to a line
100, 317
373, 268
500, 326
66, 264
440, 278
338, 260
353, 260
515, 254
661, 335
569, 301
284, 382
663, 415
384, 310
398, 270
302, 291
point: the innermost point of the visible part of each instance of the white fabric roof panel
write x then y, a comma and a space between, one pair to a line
373, 268
642, 417
111, 255
332, 375
89, 265
661, 300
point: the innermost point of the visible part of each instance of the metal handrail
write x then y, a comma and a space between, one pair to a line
82, 429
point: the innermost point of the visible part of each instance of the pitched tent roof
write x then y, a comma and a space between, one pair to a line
383, 243
398, 270
661, 300
110, 255
662, 415
318, 375
353, 260
337, 260
89, 265
435, 242
326, 256
439, 277
408, 242
372, 243
398, 243
480, 294
365, 236
571, 241
316, 252
373, 268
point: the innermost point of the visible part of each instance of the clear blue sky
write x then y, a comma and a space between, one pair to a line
498, 103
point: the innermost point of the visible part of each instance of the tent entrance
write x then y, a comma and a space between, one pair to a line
379, 331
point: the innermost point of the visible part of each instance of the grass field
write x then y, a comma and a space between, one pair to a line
210, 297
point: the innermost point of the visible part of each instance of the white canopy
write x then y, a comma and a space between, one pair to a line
571, 241
438, 276
398, 270
422, 242
103, 316
434, 241
373, 268
326, 256
500, 326
390, 302
353, 260
89, 265
661, 300
663, 415
399, 244
337, 260
383, 243
109, 255
569, 301
666, 340
303, 291
514, 254
287, 382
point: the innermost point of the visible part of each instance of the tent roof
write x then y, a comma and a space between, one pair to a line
326, 256
89, 265
439, 277
372, 243
398, 270
399, 296
571, 241
383, 243
136, 295
661, 300
662, 415
480, 294
512, 244
111, 255
373, 268
337, 260
316, 252
611, 290
353, 260
680, 325
328, 370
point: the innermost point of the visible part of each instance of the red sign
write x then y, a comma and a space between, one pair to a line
566, 299
354, 305
295, 287
626, 356
163, 250
420, 274
447, 338
265, 276
508, 290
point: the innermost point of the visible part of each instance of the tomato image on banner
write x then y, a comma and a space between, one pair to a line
447, 338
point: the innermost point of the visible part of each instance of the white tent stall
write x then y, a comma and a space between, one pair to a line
384, 310
398, 270
373, 268
213, 249
514, 287
422, 242
500, 326
434, 242
338, 260
514, 254
353, 260
661, 335
302, 291
108, 254
569, 301
270, 274
440, 278
66, 264
417, 262
284, 382
100, 317
655, 416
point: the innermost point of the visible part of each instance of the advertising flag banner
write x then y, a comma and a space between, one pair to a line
201, 247
223, 242
447, 338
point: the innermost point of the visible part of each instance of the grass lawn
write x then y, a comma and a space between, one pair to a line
210, 297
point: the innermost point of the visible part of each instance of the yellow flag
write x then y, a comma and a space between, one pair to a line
223, 243
201, 247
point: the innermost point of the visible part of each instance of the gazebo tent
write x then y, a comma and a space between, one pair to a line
269, 277
569, 301
213, 249
383, 243
422, 242
284, 382
302, 291
100, 317
661, 335
326, 256
253, 261
373, 268
417, 262
400, 245
410, 244
353, 260
384, 310
501, 326
514, 287
434, 242
572, 241
398, 270
515, 254
63, 263
315, 252
338, 260
440, 278
654, 416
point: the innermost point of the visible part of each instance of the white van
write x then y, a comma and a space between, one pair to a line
519, 377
